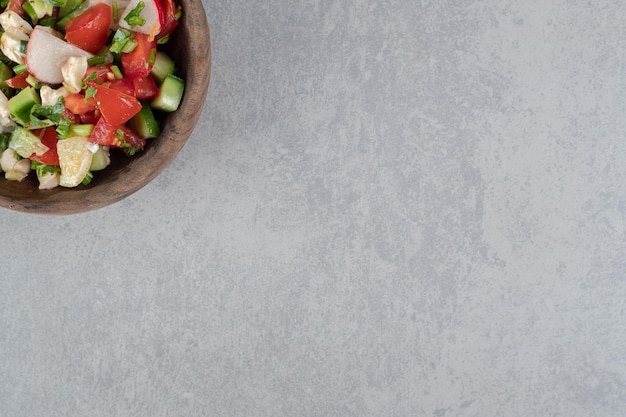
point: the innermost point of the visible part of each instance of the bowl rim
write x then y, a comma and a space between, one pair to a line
141, 169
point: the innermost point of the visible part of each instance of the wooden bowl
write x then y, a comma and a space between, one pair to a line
190, 47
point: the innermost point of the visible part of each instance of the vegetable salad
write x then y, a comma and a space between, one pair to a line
80, 79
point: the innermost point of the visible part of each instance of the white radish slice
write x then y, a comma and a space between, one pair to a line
46, 54
152, 13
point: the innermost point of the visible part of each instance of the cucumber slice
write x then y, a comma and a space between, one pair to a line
163, 65
101, 160
21, 104
144, 123
170, 94
26, 143
69, 7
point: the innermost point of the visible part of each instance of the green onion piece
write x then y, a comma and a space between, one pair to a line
20, 69
96, 60
115, 12
90, 92
32, 81
23, 45
63, 128
116, 71
178, 13
130, 46
133, 18
80, 130
88, 178
163, 40
152, 56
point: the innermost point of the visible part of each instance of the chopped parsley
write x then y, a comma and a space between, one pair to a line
132, 18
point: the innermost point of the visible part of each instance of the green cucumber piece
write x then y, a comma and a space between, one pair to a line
100, 160
163, 66
21, 104
170, 94
144, 123
69, 7
26, 143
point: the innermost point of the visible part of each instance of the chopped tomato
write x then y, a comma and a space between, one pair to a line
101, 74
123, 85
89, 30
72, 117
19, 81
136, 64
132, 139
103, 133
107, 134
116, 107
77, 104
16, 7
90, 118
145, 88
49, 138
168, 17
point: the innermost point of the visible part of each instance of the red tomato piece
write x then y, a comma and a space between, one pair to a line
19, 81
116, 107
168, 20
16, 7
77, 104
131, 138
107, 134
90, 118
72, 117
103, 133
145, 88
49, 137
123, 85
102, 73
89, 30
136, 64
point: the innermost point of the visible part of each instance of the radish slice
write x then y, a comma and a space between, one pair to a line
152, 13
46, 54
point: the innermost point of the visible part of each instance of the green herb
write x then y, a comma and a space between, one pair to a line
116, 71
152, 56
48, 21
96, 60
115, 12
88, 178
20, 69
32, 81
130, 46
90, 92
63, 127
44, 116
133, 19
23, 45
92, 76
4, 3
120, 39
81, 130
43, 169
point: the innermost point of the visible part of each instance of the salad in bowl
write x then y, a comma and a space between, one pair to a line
82, 82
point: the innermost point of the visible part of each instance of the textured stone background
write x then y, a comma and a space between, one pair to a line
398, 208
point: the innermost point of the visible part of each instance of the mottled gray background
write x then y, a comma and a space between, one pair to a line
398, 208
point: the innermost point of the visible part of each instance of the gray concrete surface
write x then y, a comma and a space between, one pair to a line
400, 208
